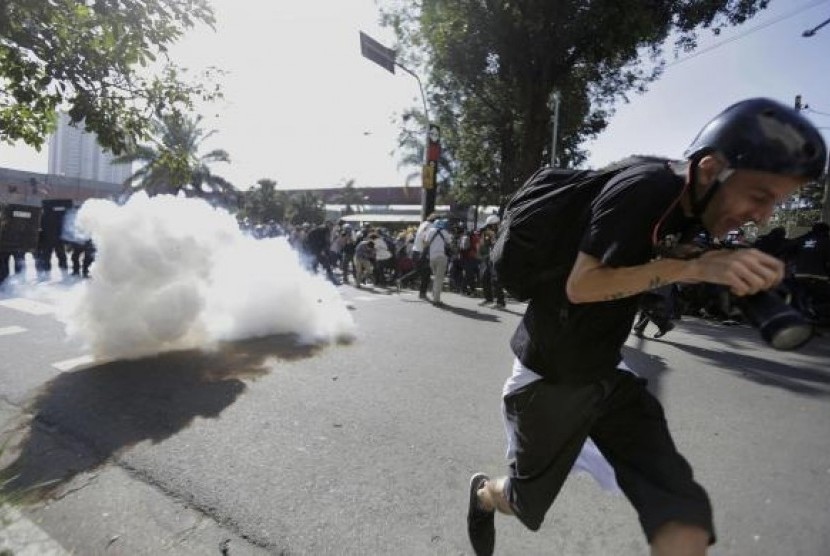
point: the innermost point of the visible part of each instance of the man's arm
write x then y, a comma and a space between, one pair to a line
745, 271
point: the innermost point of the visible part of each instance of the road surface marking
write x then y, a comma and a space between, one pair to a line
9, 330
72, 363
27, 306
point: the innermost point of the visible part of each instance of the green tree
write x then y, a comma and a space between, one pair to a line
492, 66
171, 162
303, 207
91, 58
264, 202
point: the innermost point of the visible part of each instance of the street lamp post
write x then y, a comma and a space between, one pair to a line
385, 58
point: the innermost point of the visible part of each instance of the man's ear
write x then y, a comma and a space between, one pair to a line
708, 169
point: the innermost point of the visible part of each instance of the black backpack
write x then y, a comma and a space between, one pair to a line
543, 224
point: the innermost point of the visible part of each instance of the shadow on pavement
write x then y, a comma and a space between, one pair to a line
647, 366
509, 311
799, 379
83, 418
469, 313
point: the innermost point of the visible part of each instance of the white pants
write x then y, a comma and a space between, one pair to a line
438, 264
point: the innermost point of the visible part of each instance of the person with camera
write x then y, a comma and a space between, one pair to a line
493, 292
569, 384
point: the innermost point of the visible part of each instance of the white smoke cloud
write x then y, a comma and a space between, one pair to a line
173, 273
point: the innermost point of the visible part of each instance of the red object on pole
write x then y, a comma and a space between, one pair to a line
433, 143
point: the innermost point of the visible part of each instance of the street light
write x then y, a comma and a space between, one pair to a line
385, 58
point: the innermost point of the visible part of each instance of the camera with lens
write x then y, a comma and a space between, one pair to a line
780, 325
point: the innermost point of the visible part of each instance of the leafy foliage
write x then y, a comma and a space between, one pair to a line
90, 58
492, 65
303, 207
264, 203
805, 207
171, 163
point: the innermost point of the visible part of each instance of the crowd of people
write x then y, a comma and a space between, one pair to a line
442, 255
73, 258
439, 254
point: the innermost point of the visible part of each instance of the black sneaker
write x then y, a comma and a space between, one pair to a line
663, 331
481, 527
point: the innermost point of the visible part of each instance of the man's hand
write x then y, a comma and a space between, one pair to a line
745, 271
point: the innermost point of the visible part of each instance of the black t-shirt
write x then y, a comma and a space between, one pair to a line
318, 239
567, 342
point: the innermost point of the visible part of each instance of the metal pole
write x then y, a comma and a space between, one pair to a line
555, 97
423, 97
427, 195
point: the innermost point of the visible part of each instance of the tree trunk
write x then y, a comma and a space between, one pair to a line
535, 136
507, 165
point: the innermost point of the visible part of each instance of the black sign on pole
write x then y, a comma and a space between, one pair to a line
376, 52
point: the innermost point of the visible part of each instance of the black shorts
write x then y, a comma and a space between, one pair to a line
549, 424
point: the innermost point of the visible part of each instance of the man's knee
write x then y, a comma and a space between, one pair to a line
679, 539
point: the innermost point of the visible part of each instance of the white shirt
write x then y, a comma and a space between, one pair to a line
419, 236
436, 245
382, 250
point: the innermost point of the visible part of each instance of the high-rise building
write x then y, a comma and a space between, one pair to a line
74, 153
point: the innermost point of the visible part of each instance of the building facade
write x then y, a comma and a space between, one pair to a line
30, 188
74, 153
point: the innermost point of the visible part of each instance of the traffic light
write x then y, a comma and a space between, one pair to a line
798, 106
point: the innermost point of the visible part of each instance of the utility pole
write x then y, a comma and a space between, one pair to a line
799, 105
553, 103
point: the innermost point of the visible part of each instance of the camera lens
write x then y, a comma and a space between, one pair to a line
780, 325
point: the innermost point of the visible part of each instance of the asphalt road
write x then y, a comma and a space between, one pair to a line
367, 448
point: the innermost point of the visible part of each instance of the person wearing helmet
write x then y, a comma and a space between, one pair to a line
569, 382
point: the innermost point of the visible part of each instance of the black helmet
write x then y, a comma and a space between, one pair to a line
764, 135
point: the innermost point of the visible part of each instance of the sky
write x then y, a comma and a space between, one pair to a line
304, 108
